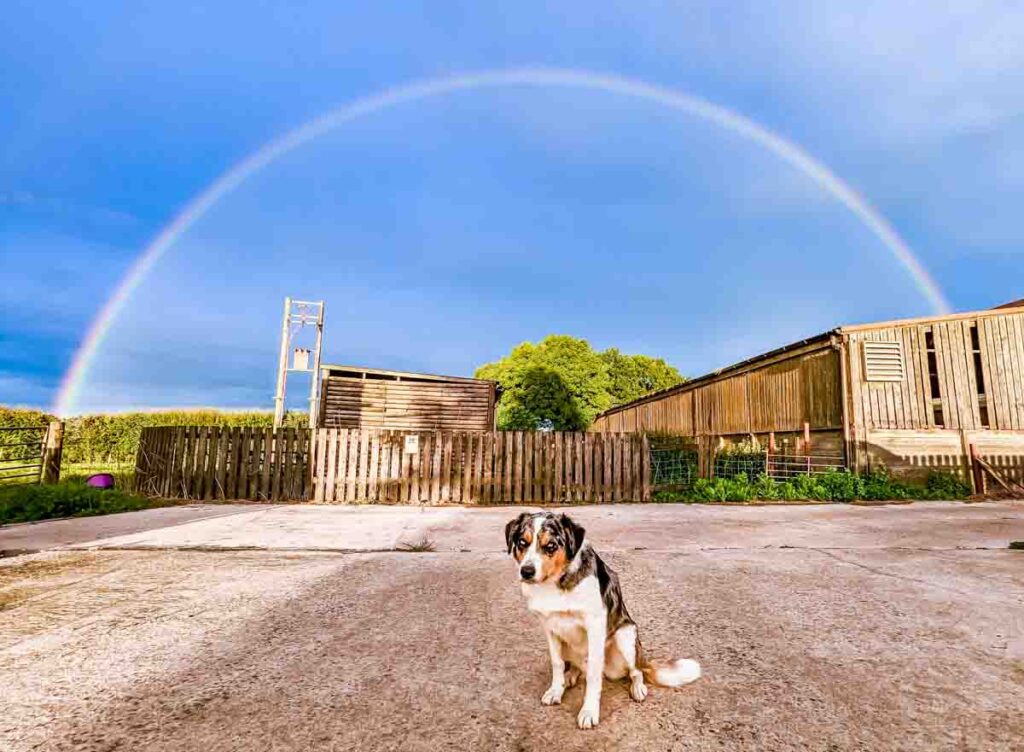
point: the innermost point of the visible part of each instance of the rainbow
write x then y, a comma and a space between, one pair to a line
67, 395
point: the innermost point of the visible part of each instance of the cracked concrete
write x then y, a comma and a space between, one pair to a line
818, 628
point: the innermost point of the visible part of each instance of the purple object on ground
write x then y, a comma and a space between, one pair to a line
100, 480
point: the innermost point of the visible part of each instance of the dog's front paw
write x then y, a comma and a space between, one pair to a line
588, 717
553, 696
638, 690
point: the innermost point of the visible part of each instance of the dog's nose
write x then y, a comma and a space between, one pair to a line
527, 571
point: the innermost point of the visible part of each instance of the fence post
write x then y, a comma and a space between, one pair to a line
977, 472
969, 465
52, 451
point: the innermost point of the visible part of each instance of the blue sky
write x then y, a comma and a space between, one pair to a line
443, 232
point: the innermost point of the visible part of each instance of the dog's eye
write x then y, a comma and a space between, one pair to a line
550, 548
523, 543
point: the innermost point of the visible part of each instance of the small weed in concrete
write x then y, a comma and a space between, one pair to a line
423, 545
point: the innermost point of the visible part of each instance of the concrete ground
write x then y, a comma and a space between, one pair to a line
299, 627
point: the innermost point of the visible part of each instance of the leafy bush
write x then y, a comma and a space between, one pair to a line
835, 485
29, 503
947, 486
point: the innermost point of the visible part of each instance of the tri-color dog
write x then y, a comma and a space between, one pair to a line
578, 599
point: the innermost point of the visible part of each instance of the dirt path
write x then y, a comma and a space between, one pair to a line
805, 648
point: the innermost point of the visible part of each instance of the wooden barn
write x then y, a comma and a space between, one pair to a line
354, 397
912, 395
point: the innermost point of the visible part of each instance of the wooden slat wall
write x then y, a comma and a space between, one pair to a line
780, 396
463, 467
907, 405
406, 405
215, 462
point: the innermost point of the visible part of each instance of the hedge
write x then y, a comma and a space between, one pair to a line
113, 439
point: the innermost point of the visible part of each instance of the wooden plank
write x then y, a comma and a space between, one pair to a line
260, 455
199, 468
522, 493
436, 450
331, 475
352, 465
209, 465
363, 472
191, 486
645, 468
444, 470
476, 487
972, 376
266, 458
319, 461
503, 467
947, 389
255, 465
282, 441
452, 475
395, 470
608, 459
580, 443
557, 455
415, 470
995, 394
490, 477
590, 453
384, 466
1014, 327
1004, 364
913, 404
187, 462
501, 480
342, 492
620, 468
966, 386
255, 460
405, 464
466, 467
192, 460
373, 464
294, 460
526, 474
245, 479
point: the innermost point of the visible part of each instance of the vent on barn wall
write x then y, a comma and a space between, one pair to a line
883, 361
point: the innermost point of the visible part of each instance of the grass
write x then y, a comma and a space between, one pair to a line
124, 473
830, 486
66, 499
423, 545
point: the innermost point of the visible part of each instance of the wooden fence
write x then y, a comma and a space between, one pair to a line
463, 467
213, 462
395, 467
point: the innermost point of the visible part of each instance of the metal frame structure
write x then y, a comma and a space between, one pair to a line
299, 314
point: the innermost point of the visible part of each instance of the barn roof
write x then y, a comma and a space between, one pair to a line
816, 339
383, 374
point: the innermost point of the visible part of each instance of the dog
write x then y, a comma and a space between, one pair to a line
589, 631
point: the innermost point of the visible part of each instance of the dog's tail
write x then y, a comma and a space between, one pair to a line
670, 673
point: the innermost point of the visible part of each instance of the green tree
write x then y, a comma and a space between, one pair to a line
562, 383
635, 376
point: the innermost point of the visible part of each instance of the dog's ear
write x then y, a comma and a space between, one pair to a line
512, 529
573, 536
